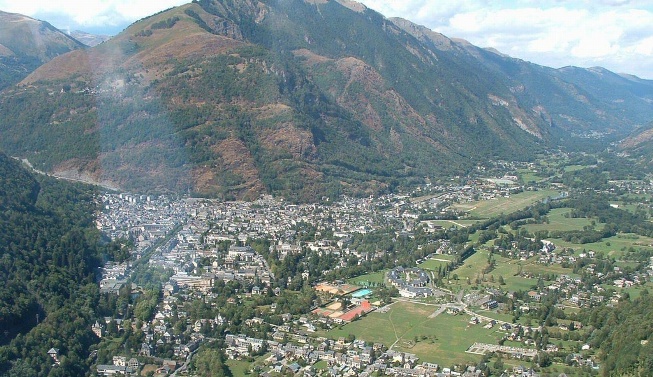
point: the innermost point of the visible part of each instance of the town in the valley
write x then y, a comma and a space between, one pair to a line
401, 284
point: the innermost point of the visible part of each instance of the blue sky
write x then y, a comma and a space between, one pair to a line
615, 34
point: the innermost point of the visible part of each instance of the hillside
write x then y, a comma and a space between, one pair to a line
26, 43
577, 100
50, 254
639, 145
298, 98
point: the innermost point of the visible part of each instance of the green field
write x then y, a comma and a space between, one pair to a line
572, 168
506, 268
558, 222
489, 208
367, 279
527, 175
239, 368
439, 261
443, 339
613, 246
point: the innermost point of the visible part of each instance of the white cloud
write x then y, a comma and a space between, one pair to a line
90, 13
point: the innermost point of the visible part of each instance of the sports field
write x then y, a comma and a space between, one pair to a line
371, 279
438, 261
443, 339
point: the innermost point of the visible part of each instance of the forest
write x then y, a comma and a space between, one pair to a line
50, 251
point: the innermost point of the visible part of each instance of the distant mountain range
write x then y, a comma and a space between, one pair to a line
301, 98
89, 39
26, 43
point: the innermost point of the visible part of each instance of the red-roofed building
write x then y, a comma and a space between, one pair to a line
364, 307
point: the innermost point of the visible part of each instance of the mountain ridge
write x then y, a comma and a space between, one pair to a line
26, 43
302, 99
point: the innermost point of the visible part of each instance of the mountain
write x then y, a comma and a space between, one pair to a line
89, 39
298, 98
26, 43
639, 145
577, 100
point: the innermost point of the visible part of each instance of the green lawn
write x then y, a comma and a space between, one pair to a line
442, 340
558, 222
433, 264
636, 290
489, 208
373, 278
239, 368
527, 175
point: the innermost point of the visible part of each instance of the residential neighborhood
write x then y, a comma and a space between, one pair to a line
204, 249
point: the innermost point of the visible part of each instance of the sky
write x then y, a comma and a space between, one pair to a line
615, 34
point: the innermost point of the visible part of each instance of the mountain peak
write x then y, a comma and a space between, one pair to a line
26, 43
89, 39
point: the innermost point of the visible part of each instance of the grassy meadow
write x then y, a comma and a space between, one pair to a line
484, 209
443, 339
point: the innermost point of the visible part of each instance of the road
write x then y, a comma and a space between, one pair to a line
184, 366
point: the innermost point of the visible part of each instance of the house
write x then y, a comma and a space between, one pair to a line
111, 370
146, 350
133, 364
54, 354
97, 329
294, 367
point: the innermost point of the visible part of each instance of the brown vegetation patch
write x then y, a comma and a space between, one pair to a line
271, 110
298, 142
353, 5
84, 171
637, 140
194, 45
239, 161
311, 57
5, 51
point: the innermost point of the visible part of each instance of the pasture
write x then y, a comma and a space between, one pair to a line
559, 222
614, 246
489, 208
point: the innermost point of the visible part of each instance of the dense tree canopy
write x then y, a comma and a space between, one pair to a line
50, 250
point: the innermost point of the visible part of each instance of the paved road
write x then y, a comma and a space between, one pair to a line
184, 366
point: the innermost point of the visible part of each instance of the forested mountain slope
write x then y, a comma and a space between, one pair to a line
298, 98
49, 254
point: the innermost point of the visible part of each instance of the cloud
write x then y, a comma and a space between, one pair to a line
88, 13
